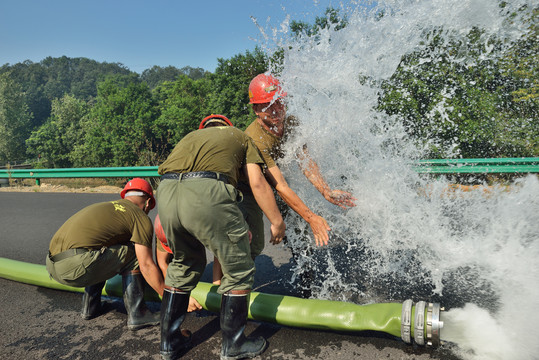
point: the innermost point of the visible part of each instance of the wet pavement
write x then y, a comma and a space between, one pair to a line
42, 323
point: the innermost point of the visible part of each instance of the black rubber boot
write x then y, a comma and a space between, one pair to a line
91, 301
174, 340
138, 315
233, 320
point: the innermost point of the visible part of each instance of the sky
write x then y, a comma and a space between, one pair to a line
143, 33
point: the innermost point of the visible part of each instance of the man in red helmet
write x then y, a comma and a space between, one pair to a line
214, 120
105, 239
163, 251
269, 131
198, 209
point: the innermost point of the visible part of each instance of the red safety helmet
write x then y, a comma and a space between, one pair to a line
160, 234
142, 185
264, 88
220, 118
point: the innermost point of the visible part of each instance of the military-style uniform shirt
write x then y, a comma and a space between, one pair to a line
269, 144
221, 149
102, 225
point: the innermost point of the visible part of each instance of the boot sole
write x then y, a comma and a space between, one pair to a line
104, 308
88, 317
175, 354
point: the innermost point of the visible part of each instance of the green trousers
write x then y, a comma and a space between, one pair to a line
200, 213
255, 219
94, 266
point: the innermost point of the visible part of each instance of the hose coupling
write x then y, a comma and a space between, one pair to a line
427, 323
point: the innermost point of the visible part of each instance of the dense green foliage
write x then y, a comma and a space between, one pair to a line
52, 78
182, 105
331, 18
14, 119
79, 113
157, 75
76, 112
453, 100
62, 135
229, 95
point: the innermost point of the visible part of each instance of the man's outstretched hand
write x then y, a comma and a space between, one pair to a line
340, 198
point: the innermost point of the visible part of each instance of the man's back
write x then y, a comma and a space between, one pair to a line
222, 149
103, 224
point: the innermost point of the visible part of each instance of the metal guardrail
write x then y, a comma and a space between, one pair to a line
104, 172
478, 166
439, 166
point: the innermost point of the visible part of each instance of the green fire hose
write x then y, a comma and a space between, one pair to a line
420, 323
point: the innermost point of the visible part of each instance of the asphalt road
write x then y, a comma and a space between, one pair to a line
41, 323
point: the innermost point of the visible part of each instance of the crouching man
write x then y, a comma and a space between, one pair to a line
106, 239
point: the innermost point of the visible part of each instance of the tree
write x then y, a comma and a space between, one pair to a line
157, 75
230, 83
52, 78
55, 141
521, 66
331, 18
194, 73
77, 76
117, 131
14, 121
31, 77
466, 108
182, 105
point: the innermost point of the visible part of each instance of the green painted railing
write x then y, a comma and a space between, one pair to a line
478, 166
104, 172
441, 166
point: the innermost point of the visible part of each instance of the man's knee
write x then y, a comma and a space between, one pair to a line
237, 279
182, 277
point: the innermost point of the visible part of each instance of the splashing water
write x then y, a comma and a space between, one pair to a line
475, 254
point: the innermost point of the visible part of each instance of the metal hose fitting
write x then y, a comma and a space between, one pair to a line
427, 325
434, 325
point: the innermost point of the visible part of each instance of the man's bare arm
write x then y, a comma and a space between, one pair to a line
266, 200
151, 272
163, 258
318, 224
312, 172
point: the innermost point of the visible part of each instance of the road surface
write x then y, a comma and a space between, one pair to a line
41, 323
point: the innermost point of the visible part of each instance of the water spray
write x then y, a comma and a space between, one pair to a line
468, 249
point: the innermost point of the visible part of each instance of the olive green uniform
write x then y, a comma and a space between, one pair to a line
269, 146
203, 212
107, 230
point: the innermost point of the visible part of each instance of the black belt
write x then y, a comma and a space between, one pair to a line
68, 253
196, 174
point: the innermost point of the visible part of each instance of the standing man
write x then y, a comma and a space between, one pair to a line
198, 209
106, 239
269, 131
